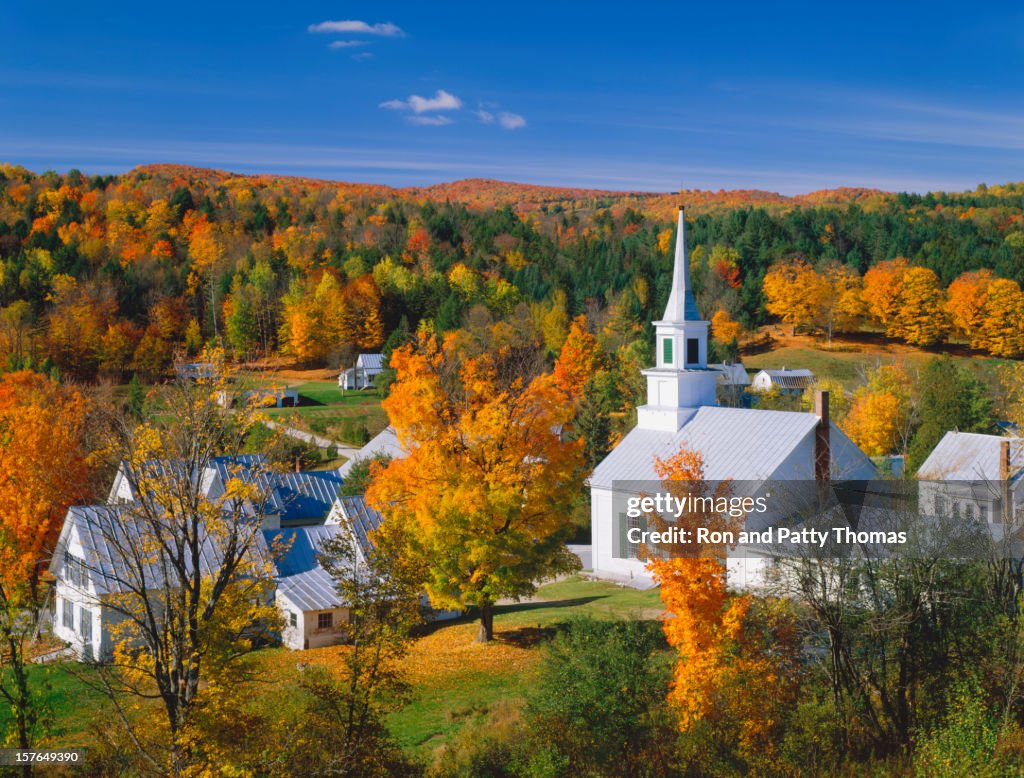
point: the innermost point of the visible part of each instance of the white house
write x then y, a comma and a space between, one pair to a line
731, 375
788, 381
681, 412
367, 368
974, 476
301, 512
314, 613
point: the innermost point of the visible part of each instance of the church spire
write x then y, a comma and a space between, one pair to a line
681, 304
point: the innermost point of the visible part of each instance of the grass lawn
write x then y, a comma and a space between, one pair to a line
456, 680
73, 705
847, 361
324, 410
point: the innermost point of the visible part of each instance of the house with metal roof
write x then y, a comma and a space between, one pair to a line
741, 444
731, 374
314, 613
793, 381
973, 476
97, 557
362, 375
292, 498
385, 443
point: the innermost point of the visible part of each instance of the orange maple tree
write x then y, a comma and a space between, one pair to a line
44, 468
737, 653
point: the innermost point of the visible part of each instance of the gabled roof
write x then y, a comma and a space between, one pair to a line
303, 496
110, 538
300, 577
370, 361
385, 442
969, 456
799, 378
734, 375
364, 520
741, 444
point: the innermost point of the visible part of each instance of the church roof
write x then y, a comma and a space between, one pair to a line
681, 304
739, 443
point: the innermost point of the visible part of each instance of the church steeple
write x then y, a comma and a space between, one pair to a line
680, 381
681, 304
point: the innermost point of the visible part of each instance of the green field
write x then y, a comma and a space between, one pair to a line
351, 417
454, 694
454, 680
849, 364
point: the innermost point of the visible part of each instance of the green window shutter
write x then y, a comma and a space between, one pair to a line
666, 345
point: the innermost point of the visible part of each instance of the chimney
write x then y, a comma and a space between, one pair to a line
822, 444
1004, 481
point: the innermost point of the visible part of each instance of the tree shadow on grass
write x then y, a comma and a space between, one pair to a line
519, 607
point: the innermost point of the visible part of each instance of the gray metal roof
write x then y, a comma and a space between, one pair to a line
797, 378
969, 456
112, 537
300, 577
734, 375
364, 520
370, 362
385, 442
738, 443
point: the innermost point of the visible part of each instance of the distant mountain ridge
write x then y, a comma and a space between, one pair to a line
489, 193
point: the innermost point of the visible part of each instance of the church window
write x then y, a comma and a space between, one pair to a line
692, 351
633, 549
666, 346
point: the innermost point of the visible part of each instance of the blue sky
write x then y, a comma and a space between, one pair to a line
789, 97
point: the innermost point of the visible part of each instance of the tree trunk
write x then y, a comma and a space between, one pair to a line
486, 633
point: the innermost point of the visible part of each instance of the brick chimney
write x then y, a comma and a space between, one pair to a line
1004, 481
822, 444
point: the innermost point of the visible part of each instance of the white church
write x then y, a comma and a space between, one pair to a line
741, 444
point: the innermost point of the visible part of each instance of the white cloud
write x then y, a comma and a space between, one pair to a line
362, 56
345, 44
441, 101
384, 29
430, 121
511, 121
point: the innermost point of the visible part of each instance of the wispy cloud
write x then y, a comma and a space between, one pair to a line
345, 44
362, 56
384, 29
510, 121
430, 121
441, 101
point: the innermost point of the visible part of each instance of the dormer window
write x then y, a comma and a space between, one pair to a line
666, 350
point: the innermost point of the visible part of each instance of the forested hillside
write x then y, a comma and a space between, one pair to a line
106, 276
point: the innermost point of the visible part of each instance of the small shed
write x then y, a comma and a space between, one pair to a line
790, 381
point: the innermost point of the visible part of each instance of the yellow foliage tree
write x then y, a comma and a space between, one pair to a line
1002, 328
921, 319
724, 328
481, 504
794, 292
878, 416
883, 292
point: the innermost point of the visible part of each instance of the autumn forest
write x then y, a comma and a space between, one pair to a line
514, 322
